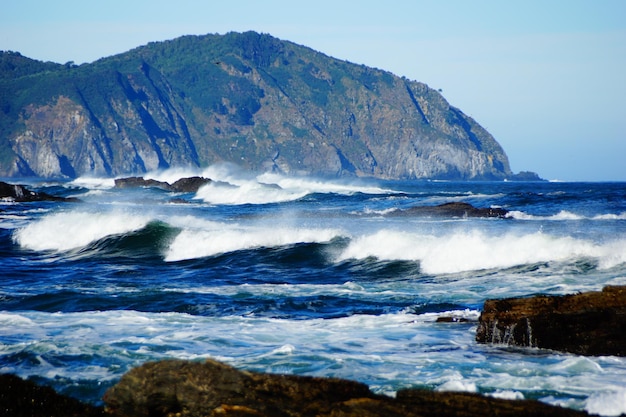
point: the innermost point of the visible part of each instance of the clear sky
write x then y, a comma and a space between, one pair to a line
546, 77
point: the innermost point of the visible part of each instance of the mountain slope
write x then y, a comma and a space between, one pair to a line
247, 98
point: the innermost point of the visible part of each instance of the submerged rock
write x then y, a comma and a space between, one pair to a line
190, 389
21, 194
592, 323
183, 185
454, 209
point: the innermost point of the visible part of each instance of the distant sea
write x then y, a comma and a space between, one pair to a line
305, 276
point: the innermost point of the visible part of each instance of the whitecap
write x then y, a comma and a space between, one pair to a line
75, 229
607, 403
476, 250
191, 244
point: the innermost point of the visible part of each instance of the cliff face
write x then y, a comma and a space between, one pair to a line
250, 99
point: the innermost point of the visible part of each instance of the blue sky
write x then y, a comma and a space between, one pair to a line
546, 78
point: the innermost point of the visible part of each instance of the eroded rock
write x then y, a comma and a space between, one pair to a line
592, 323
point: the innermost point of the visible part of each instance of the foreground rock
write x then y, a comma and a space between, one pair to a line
21, 194
183, 185
592, 323
21, 398
454, 209
190, 389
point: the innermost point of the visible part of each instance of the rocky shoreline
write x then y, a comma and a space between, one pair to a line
592, 323
180, 388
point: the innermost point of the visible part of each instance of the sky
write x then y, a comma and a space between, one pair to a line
547, 78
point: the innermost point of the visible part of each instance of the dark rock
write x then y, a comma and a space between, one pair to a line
136, 182
454, 209
526, 176
191, 389
190, 184
592, 323
22, 398
183, 185
464, 404
21, 194
450, 319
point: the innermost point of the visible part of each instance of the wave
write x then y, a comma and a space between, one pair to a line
476, 250
232, 186
66, 231
191, 244
274, 188
250, 192
564, 215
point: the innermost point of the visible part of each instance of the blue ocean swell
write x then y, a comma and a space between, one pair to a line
78, 319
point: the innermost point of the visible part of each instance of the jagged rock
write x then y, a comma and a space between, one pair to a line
454, 209
194, 389
592, 323
22, 398
21, 194
189, 184
136, 182
183, 185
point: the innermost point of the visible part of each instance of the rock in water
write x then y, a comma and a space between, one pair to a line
592, 323
21, 194
195, 389
453, 209
183, 185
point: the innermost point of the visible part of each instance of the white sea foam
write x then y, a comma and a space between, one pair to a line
320, 186
190, 244
476, 250
507, 395
271, 188
607, 403
564, 215
75, 229
93, 182
250, 192
621, 216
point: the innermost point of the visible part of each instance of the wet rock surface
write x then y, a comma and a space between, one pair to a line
183, 185
184, 388
592, 323
21, 194
454, 209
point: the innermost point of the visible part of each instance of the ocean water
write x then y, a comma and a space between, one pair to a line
305, 276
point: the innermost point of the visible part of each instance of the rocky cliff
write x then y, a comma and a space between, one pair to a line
247, 98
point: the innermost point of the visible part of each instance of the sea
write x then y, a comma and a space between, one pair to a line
305, 276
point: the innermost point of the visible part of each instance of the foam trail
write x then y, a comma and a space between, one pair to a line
191, 244
475, 250
71, 230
